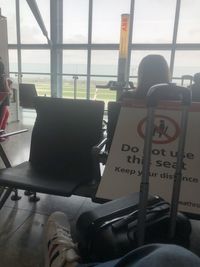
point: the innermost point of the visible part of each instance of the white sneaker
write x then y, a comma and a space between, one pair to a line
61, 251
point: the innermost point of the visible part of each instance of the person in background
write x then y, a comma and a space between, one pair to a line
153, 69
5, 87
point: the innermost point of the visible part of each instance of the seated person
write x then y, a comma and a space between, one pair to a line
195, 87
61, 251
153, 69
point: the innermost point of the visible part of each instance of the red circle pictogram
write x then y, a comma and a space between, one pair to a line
167, 138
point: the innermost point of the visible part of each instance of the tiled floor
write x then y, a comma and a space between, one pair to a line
22, 222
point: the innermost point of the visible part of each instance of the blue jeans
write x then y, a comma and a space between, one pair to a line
154, 255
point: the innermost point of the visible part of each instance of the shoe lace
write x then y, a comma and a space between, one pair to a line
66, 245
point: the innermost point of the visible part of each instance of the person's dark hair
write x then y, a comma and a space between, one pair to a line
153, 69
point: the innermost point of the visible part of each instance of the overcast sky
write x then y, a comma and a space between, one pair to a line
153, 20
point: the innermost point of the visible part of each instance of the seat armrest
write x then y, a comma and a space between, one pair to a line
13, 133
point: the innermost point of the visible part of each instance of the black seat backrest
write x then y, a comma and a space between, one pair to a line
113, 114
27, 94
64, 133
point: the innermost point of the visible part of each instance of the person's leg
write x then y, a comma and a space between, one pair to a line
156, 255
4, 118
61, 251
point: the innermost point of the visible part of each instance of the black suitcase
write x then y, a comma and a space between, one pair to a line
114, 228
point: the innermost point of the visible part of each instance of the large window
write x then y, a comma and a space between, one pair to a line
86, 65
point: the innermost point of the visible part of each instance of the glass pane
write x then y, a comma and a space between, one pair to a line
107, 20
104, 62
75, 21
8, 10
102, 94
186, 62
13, 67
153, 21
30, 61
74, 87
75, 61
30, 30
137, 56
42, 83
189, 22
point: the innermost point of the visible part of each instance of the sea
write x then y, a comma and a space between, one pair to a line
80, 70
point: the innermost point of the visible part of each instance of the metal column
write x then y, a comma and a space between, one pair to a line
56, 15
89, 48
130, 40
176, 21
18, 41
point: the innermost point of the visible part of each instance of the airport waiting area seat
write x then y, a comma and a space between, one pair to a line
61, 162
27, 94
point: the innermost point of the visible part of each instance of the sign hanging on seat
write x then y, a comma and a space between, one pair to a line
122, 174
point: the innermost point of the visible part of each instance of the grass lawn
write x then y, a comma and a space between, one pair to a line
43, 89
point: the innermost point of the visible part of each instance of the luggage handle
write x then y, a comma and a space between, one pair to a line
166, 90
155, 93
124, 221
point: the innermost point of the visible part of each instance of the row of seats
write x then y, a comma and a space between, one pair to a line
61, 162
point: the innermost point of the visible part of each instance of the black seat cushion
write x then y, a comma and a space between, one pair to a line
25, 176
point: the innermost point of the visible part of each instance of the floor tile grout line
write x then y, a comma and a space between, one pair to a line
12, 233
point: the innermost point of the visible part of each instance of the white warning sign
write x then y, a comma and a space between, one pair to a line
122, 174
